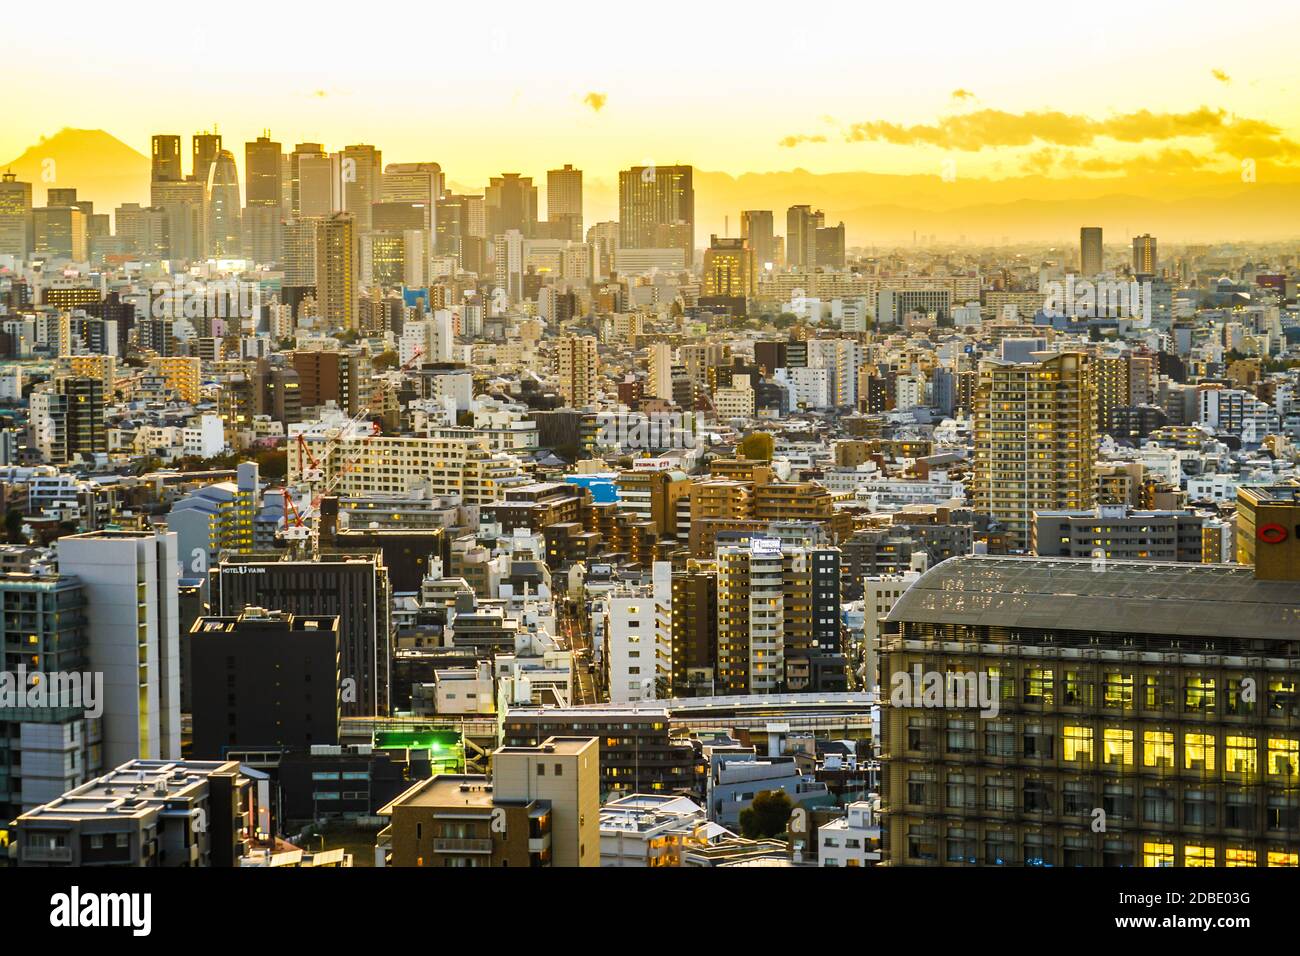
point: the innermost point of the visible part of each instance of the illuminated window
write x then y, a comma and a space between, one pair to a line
1038, 687
1198, 855
1284, 758
1157, 749
1117, 747
1239, 755
1283, 859
1118, 690
1157, 854
1240, 857
1198, 752
1199, 695
1078, 743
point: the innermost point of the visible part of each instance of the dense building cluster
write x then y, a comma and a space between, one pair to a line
372, 523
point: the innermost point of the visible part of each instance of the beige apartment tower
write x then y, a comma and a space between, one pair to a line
336, 271
1035, 439
577, 367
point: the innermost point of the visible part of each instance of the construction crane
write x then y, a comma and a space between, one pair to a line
301, 525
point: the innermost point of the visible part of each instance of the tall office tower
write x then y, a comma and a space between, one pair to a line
263, 191
361, 170
351, 586
1035, 439
336, 271
165, 158
729, 269
1090, 254
508, 263
299, 253
320, 186
59, 232
15, 217
510, 202
313, 150
451, 226
801, 225
751, 618
828, 245
564, 202
602, 238
1091, 709
225, 224
756, 227
652, 199
418, 183
1144, 255
204, 148
184, 207
44, 751
578, 369
659, 382
130, 581
143, 231
63, 196
694, 629
565, 771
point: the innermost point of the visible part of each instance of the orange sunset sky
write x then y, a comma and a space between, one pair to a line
1013, 101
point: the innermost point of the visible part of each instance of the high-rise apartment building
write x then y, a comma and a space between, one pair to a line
336, 271
1035, 439
326, 376
130, 582
578, 369
1090, 251
1144, 255
694, 609
44, 751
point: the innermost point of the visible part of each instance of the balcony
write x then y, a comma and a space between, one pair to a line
47, 854
462, 846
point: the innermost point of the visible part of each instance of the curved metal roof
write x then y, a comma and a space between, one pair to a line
1134, 597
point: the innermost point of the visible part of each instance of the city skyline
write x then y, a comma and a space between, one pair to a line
992, 119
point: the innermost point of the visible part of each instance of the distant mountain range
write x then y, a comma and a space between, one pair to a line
876, 208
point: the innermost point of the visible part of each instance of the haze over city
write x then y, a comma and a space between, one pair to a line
579, 437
